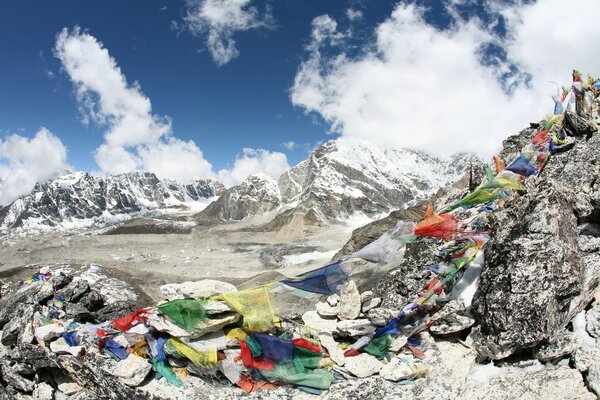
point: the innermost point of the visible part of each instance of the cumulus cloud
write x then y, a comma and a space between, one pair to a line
25, 161
421, 87
253, 161
353, 14
135, 138
219, 20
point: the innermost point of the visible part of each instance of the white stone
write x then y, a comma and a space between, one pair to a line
398, 343
214, 324
366, 296
162, 324
197, 289
333, 300
325, 310
335, 352
45, 333
397, 370
60, 346
214, 340
370, 304
350, 303
357, 327
314, 321
585, 356
27, 336
69, 388
363, 365
43, 391
133, 370
216, 307
593, 378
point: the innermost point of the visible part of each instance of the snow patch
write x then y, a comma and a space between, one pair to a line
295, 259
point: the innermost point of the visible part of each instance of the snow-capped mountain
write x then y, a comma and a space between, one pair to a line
80, 199
339, 179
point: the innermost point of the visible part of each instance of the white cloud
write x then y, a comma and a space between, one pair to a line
416, 86
290, 145
25, 161
253, 161
353, 14
219, 20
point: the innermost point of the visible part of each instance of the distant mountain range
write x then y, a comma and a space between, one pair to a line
338, 180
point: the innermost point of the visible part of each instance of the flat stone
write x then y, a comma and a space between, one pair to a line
370, 304
363, 365
452, 318
214, 324
592, 318
333, 300
48, 332
214, 340
162, 324
562, 344
60, 346
357, 327
69, 388
216, 307
398, 370
366, 296
133, 370
314, 321
325, 310
398, 343
197, 289
335, 352
350, 303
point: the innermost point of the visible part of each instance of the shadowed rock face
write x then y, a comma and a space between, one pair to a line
542, 262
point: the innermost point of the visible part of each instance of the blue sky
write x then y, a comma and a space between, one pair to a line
230, 81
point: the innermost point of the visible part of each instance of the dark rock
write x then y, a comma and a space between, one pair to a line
578, 126
78, 313
75, 290
34, 293
10, 375
114, 310
34, 356
60, 280
17, 324
451, 319
93, 301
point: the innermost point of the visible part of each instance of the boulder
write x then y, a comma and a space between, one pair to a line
370, 304
69, 388
75, 290
48, 332
325, 310
349, 305
357, 327
363, 365
216, 307
585, 356
43, 391
593, 378
592, 318
18, 326
366, 296
399, 369
34, 293
314, 321
214, 324
452, 318
379, 316
133, 370
60, 346
197, 289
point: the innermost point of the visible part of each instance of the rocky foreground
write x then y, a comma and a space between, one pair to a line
518, 318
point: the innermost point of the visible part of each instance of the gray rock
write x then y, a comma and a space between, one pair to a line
314, 321
335, 352
562, 344
379, 316
452, 318
43, 391
214, 324
363, 365
133, 370
216, 307
325, 310
592, 318
18, 326
370, 304
585, 356
593, 378
197, 289
77, 313
399, 370
114, 310
12, 377
48, 332
75, 290
34, 293
333, 300
349, 305
366, 296
357, 327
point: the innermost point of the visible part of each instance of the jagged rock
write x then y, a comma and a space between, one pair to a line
593, 378
48, 332
133, 370
548, 384
560, 345
592, 318
11, 376
539, 272
349, 305
585, 356
75, 290
379, 316
452, 318
34, 293
325, 310
216, 307
398, 370
357, 327
370, 304
579, 126
16, 328
214, 324
60, 280
333, 300
92, 301
33, 356
363, 365
60, 346
313, 320
197, 289
335, 353
366, 296
77, 312
114, 310
43, 391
